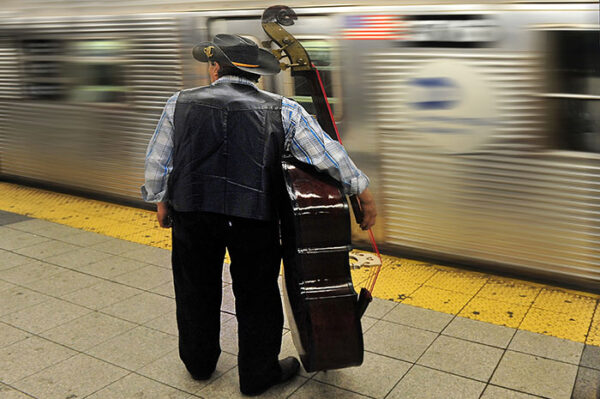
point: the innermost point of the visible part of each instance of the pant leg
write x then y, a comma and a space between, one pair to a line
255, 262
197, 259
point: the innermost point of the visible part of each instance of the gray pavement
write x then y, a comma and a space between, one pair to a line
88, 316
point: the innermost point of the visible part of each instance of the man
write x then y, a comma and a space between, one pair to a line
215, 158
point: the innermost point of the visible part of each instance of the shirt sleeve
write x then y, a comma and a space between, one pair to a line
308, 143
159, 160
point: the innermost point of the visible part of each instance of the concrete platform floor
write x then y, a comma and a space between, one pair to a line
84, 315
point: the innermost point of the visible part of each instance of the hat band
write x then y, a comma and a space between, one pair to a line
239, 64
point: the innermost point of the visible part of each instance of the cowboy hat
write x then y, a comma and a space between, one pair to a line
238, 52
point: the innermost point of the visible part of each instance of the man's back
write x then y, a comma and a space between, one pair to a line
228, 140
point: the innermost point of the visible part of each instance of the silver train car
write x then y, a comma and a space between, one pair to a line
478, 122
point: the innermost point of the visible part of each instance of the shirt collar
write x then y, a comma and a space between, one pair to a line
234, 79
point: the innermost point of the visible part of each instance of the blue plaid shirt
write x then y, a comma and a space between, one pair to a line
304, 139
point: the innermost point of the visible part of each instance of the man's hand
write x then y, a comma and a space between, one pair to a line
162, 213
367, 205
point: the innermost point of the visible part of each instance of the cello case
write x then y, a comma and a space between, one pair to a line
320, 300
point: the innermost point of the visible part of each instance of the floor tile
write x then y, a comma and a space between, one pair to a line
478, 331
116, 247
587, 384
7, 392
101, 295
28, 272
5, 285
424, 383
385, 372
135, 348
437, 298
170, 370
57, 231
379, 308
591, 357
12, 240
561, 325
145, 278
228, 301
227, 386
29, 356
229, 340
32, 225
10, 259
560, 301
136, 386
63, 283
225, 316
167, 289
424, 319
76, 377
227, 274
46, 249
166, 323
85, 238
547, 346
398, 341
535, 375
112, 266
313, 389
465, 358
141, 308
367, 322
155, 256
7, 218
77, 258
45, 315
17, 298
454, 280
493, 311
88, 331
9, 335
512, 291
494, 392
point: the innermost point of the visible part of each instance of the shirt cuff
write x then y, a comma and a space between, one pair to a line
357, 185
152, 198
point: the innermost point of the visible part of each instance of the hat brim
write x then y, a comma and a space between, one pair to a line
267, 63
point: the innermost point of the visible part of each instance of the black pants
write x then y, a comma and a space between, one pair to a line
199, 242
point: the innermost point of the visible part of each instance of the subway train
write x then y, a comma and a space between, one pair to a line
477, 122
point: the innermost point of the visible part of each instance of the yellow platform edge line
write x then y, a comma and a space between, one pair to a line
519, 304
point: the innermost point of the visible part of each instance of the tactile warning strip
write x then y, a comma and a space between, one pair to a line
544, 309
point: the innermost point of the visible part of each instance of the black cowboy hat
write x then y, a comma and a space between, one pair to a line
238, 52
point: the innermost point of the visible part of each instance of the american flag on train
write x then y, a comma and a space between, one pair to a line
373, 27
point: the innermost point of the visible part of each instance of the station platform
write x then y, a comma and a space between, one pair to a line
87, 311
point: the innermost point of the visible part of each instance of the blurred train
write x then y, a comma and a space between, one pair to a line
478, 122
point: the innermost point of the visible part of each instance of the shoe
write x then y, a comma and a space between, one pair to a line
201, 377
289, 368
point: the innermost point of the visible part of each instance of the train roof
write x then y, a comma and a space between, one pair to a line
25, 8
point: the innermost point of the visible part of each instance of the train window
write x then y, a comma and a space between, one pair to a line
43, 69
96, 73
574, 83
323, 55
79, 71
